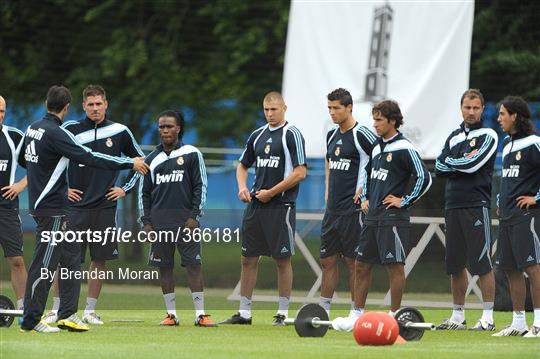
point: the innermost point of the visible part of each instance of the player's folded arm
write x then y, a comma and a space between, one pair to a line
487, 147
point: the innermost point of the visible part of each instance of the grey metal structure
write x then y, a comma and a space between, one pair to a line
376, 86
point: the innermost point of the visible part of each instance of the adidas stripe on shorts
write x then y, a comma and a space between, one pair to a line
383, 244
468, 240
519, 243
268, 229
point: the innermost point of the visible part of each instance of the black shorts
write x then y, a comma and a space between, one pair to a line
163, 249
519, 244
340, 234
383, 244
95, 220
10, 232
268, 229
468, 240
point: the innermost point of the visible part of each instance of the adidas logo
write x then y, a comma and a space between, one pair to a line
269, 140
478, 223
198, 256
30, 154
389, 255
530, 259
284, 250
115, 252
339, 142
244, 249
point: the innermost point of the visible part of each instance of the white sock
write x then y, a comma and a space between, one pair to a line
170, 303
90, 305
519, 321
392, 313
356, 312
245, 307
351, 310
458, 313
20, 304
198, 303
283, 306
325, 303
487, 314
55, 305
536, 322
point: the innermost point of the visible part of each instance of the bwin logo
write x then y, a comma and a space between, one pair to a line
35, 134
30, 154
268, 162
513, 171
171, 177
339, 165
379, 174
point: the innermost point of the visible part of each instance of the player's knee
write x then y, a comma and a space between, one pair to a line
328, 263
533, 271
16, 263
249, 262
283, 263
99, 265
396, 269
362, 268
193, 269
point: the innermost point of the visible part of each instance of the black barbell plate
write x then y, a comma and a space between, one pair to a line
6, 319
409, 314
303, 324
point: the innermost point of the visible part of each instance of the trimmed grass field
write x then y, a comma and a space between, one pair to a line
261, 340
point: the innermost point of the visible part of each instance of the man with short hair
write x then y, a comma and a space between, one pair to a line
348, 152
48, 148
277, 151
11, 140
385, 235
173, 195
467, 161
519, 228
93, 193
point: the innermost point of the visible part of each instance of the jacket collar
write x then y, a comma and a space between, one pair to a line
476, 126
517, 136
88, 122
396, 137
52, 117
161, 148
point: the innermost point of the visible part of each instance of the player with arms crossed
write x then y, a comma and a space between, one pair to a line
467, 161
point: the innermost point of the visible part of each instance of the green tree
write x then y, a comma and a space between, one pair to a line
505, 55
150, 56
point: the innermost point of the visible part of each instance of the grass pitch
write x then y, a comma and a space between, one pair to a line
261, 340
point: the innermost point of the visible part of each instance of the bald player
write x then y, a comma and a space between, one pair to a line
276, 150
11, 140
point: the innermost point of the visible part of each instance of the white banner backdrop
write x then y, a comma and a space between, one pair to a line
417, 53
